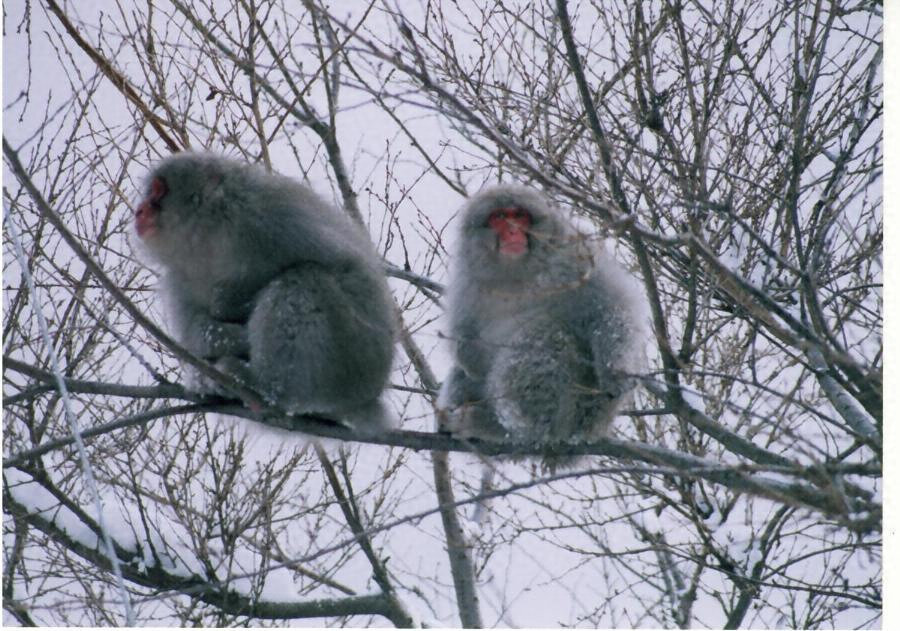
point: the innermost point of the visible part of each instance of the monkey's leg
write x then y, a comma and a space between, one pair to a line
321, 342
534, 385
541, 386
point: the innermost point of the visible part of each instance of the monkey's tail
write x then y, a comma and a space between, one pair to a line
479, 513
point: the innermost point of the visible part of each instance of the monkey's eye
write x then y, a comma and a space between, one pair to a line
517, 216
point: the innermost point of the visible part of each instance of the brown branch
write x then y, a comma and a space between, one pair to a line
398, 614
117, 79
458, 549
211, 591
738, 477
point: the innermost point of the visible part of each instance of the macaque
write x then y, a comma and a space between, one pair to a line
271, 284
548, 332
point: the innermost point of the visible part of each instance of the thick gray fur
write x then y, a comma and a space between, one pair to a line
546, 345
274, 285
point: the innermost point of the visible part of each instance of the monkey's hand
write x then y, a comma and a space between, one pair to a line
456, 390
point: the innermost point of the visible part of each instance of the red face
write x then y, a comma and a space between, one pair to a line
511, 226
148, 210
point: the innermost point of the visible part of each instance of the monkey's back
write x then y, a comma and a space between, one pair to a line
286, 271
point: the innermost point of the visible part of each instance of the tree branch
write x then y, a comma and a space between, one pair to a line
738, 477
216, 593
114, 76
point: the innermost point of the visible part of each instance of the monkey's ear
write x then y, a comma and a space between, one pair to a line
212, 188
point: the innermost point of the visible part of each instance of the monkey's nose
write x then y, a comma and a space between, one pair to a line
145, 219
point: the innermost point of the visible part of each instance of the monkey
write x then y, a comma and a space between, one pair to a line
548, 331
271, 284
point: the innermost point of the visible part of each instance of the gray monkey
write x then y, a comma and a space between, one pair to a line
272, 284
548, 332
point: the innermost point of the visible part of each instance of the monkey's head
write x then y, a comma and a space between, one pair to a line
190, 201
514, 231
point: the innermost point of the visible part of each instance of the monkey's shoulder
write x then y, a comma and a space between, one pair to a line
222, 298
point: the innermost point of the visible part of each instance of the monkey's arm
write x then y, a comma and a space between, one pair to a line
468, 411
458, 389
225, 339
465, 383
616, 354
202, 334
